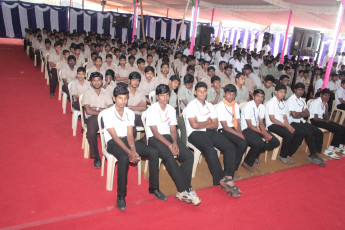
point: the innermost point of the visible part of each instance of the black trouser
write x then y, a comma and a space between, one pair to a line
206, 141
75, 105
138, 121
182, 127
91, 135
65, 90
181, 175
53, 80
32, 53
336, 129
240, 145
257, 145
341, 106
38, 58
291, 141
123, 159
313, 136
25, 44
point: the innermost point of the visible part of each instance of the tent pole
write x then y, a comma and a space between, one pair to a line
257, 36
285, 39
212, 17
336, 33
134, 19
167, 12
142, 21
194, 27
179, 33
83, 4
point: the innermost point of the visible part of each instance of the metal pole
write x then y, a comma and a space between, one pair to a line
134, 19
212, 17
83, 4
167, 12
142, 21
285, 39
336, 32
194, 26
179, 33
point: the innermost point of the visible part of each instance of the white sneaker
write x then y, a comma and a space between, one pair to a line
184, 196
195, 199
331, 154
339, 150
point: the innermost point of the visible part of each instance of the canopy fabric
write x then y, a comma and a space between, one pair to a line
316, 14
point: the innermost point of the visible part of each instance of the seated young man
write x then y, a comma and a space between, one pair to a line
161, 120
277, 122
149, 83
163, 77
97, 66
68, 74
340, 96
298, 110
319, 116
268, 88
210, 73
118, 125
215, 93
186, 91
121, 72
109, 64
130, 65
253, 128
94, 101
136, 101
54, 58
202, 123
227, 77
78, 87
109, 83
229, 125
284, 79
242, 94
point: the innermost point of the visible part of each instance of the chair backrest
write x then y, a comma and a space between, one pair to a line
152, 96
184, 114
70, 95
309, 102
101, 130
143, 119
81, 110
84, 65
242, 104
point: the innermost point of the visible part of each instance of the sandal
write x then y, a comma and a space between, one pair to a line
257, 162
233, 191
248, 168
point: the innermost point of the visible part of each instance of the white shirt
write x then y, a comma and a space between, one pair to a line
225, 113
340, 93
316, 107
276, 108
297, 105
112, 119
252, 112
318, 85
238, 65
162, 119
331, 85
202, 113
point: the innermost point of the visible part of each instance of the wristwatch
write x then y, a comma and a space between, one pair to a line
97, 109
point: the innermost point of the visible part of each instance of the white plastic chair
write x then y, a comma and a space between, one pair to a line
110, 158
42, 61
85, 143
152, 95
64, 100
75, 113
143, 119
46, 74
339, 114
59, 81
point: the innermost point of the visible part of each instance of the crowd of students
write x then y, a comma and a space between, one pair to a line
199, 95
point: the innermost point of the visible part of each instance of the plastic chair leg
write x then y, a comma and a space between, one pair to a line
86, 149
60, 91
64, 103
139, 172
83, 140
110, 173
197, 155
75, 123
102, 169
42, 66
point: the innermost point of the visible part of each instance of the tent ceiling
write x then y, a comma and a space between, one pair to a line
317, 14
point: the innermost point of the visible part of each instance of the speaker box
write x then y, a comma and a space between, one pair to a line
121, 22
106, 24
304, 40
203, 35
268, 37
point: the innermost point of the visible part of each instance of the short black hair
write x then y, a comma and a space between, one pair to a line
71, 57
120, 90
57, 44
81, 69
94, 75
258, 91
165, 63
174, 78
269, 78
200, 84
230, 88
149, 68
109, 56
342, 82
228, 66
122, 57
280, 86
98, 57
210, 67
326, 91
65, 52
215, 78
111, 73
299, 85
282, 77
239, 75
140, 60
131, 57
134, 75
190, 67
162, 89
188, 78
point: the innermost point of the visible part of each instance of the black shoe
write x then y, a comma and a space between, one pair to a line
97, 162
51, 95
158, 194
121, 203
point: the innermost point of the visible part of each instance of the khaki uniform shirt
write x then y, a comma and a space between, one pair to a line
90, 97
